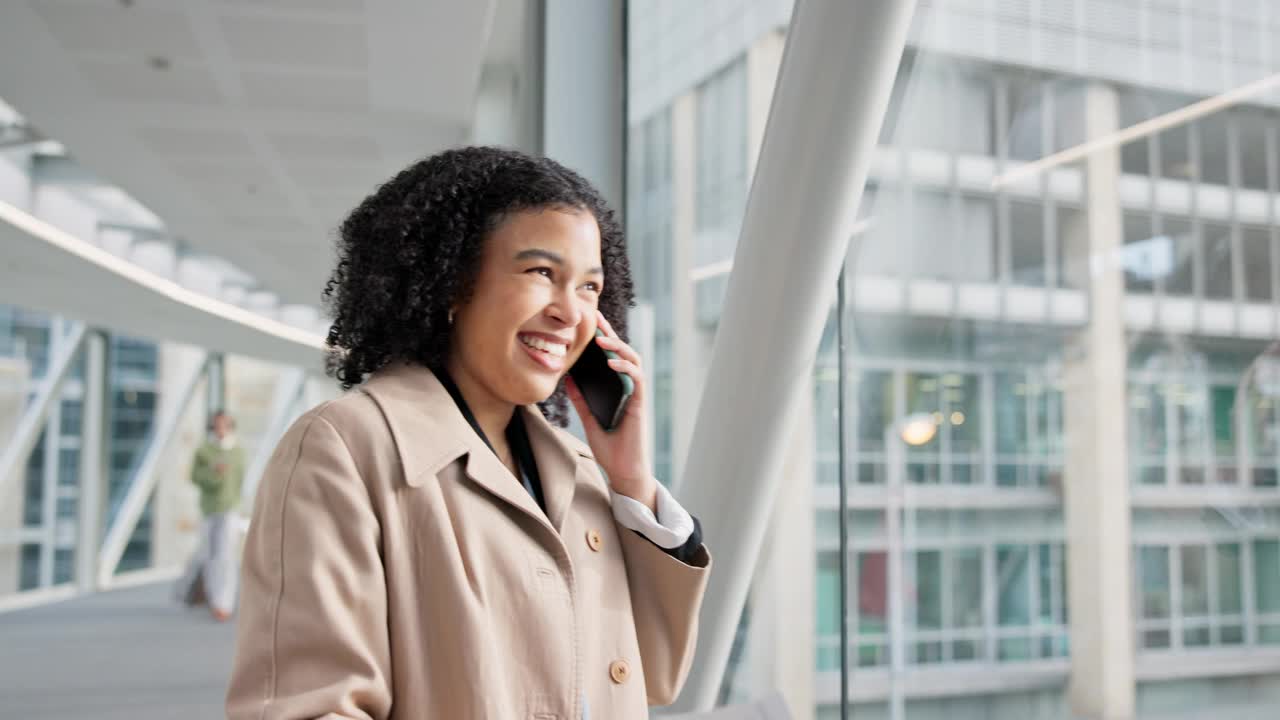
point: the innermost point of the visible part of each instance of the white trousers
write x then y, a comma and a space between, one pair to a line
215, 563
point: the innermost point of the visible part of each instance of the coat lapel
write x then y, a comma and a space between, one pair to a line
430, 433
558, 455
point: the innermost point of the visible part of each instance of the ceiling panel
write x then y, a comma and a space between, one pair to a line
251, 127
133, 80
296, 42
351, 7
188, 142
347, 147
106, 27
308, 91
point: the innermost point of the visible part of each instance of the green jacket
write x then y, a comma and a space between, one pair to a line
219, 474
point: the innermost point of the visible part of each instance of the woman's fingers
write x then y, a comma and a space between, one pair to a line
626, 366
623, 350
611, 341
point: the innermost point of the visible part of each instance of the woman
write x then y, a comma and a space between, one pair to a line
429, 545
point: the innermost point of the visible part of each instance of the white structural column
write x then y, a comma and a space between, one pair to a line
833, 88
584, 86
783, 595
1097, 482
93, 461
686, 367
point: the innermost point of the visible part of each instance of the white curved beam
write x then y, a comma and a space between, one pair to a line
49, 269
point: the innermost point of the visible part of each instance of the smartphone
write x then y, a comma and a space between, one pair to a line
606, 390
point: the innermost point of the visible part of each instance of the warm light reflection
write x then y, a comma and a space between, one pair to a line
919, 429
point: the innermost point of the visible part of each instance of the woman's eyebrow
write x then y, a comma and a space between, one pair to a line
547, 255
551, 257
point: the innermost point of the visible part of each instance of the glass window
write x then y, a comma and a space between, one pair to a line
1011, 414
1264, 438
872, 595
1215, 156
1175, 149
1050, 571
1073, 248
1175, 253
1229, 584
1025, 91
1217, 262
1154, 568
928, 605
981, 585
1223, 401
1133, 107
828, 608
1147, 430
1145, 258
1252, 124
1154, 597
1027, 242
1266, 575
1195, 580
1256, 244
826, 423
721, 170
1191, 416
966, 592
924, 399
970, 256
975, 255
875, 395
962, 414
1013, 576
938, 90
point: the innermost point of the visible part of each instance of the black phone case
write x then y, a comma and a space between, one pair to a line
600, 385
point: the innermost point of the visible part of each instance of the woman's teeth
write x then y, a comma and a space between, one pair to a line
556, 349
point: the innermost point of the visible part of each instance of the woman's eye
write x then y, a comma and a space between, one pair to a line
592, 286
543, 271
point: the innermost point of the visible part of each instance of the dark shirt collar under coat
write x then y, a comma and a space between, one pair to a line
431, 433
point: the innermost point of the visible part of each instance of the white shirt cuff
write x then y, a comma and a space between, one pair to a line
669, 530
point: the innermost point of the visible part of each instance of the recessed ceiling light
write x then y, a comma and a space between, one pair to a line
158, 62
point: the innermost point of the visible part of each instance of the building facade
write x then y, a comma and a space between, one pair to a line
1061, 433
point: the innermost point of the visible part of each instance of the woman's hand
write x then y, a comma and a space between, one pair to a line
622, 451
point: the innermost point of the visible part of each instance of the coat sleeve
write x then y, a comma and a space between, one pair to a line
666, 595
312, 637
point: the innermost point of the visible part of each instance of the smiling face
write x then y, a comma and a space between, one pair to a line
532, 308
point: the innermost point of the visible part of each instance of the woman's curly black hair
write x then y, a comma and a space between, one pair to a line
410, 251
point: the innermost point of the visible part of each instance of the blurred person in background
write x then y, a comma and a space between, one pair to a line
431, 544
212, 573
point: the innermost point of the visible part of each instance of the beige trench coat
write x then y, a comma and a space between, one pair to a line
394, 568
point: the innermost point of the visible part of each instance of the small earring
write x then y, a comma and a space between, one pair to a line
450, 317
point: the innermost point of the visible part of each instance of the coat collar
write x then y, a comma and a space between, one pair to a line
430, 432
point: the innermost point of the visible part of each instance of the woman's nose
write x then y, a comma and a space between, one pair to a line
566, 308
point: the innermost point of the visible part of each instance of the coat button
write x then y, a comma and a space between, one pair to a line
619, 671
594, 541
